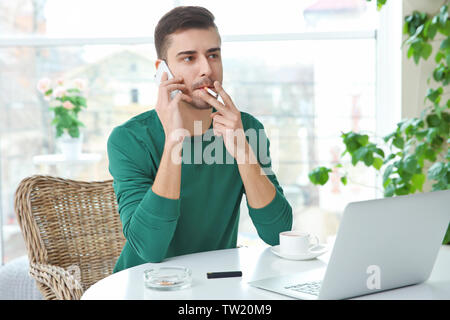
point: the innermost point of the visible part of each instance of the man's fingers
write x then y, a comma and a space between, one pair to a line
176, 86
186, 98
170, 81
222, 120
213, 102
225, 97
177, 98
218, 129
181, 96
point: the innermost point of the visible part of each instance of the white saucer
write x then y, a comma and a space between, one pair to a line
314, 252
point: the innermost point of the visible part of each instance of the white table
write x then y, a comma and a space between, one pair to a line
255, 263
70, 167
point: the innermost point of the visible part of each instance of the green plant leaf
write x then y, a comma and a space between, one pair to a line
433, 95
410, 164
359, 155
430, 154
377, 163
439, 56
420, 149
389, 136
368, 159
432, 133
443, 15
74, 132
387, 172
344, 180
426, 50
437, 142
319, 175
447, 236
380, 4
418, 180
404, 174
389, 158
445, 30
405, 29
59, 131
389, 190
417, 46
403, 190
363, 139
439, 73
445, 44
440, 185
421, 134
437, 171
379, 152
432, 30
399, 142
73, 90
351, 141
386, 183
410, 52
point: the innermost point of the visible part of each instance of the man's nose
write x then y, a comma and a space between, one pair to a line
205, 68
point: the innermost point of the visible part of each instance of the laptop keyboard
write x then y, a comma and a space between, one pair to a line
311, 288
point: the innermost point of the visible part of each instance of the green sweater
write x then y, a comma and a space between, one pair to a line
206, 216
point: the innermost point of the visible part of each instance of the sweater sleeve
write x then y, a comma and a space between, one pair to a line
148, 220
276, 216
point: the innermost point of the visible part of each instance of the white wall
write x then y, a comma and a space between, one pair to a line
389, 66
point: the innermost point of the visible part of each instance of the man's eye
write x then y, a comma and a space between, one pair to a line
215, 55
189, 57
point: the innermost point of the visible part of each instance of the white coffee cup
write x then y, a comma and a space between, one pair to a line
296, 242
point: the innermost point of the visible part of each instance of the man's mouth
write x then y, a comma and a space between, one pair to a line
203, 87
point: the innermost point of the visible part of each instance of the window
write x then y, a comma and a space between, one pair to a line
305, 69
134, 96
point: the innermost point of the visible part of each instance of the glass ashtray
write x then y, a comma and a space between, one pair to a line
168, 278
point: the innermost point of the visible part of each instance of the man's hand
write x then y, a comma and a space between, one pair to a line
227, 123
168, 177
259, 189
168, 110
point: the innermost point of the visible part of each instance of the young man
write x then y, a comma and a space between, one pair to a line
171, 201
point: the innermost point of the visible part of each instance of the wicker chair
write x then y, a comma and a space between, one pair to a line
72, 232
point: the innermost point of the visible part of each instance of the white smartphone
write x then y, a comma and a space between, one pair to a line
162, 67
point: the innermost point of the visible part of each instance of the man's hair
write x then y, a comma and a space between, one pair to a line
179, 19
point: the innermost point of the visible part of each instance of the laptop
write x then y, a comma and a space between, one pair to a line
380, 245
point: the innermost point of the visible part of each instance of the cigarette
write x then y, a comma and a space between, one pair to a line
210, 92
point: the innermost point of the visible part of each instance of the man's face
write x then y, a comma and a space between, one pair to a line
195, 55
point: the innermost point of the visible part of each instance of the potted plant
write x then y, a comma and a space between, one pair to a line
66, 101
418, 148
